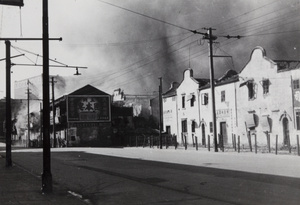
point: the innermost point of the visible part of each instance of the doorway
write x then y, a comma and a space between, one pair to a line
203, 134
223, 132
286, 131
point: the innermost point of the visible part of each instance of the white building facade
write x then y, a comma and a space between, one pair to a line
170, 110
188, 110
268, 103
225, 108
263, 100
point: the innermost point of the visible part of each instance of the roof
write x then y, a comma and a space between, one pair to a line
172, 90
202, 81
88, 90
230, 76
286, 65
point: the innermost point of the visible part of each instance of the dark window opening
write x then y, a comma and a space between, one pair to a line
193, 101
223, 96
193, 126
211, 127
251, 91
204, 98
265, 84
296, 84
298, 120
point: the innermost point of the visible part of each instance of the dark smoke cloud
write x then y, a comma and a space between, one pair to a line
108, 64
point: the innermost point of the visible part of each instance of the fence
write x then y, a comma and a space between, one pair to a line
235, 146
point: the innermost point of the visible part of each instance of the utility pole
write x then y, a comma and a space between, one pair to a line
53, 113
160, 112
212, 87
46, 176
28, 113
8, 124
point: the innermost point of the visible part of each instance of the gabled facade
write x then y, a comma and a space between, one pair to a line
268, 102
188, 111
85, 117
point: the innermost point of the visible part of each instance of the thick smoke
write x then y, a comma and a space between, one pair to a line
136, 67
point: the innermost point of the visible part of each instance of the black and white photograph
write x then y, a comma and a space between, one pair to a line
158, 102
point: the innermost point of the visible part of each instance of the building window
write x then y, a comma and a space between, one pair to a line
296, 84
223, 96
211, 127
204, 98
298, 119
193, 100
251, 91
193, 126
183, 101
266, 84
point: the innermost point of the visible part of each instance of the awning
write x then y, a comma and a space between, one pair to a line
246, 82
265, 123
250, 122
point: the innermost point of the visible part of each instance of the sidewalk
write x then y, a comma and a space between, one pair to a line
17, 186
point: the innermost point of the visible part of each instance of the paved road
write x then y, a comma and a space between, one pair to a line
113, 180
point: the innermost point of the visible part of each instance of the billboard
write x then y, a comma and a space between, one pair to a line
89, 108
12, 2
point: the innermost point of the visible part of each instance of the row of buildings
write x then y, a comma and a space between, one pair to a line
262, 99
84, 117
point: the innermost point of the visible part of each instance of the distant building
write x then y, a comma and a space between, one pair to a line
84, 118
145, 107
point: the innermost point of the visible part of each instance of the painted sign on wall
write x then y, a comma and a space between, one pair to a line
89, 109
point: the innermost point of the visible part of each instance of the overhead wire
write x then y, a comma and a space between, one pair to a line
258, 17
144, 15
148, 58
126, 42
191, 30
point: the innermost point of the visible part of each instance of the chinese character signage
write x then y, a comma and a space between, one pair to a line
223, 113
88, 108
12, 2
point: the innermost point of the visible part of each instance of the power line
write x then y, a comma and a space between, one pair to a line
126, 42
246, 13
230, 28
275, 33
149, 61
144, 15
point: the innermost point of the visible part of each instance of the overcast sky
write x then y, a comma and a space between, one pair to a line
129, 51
